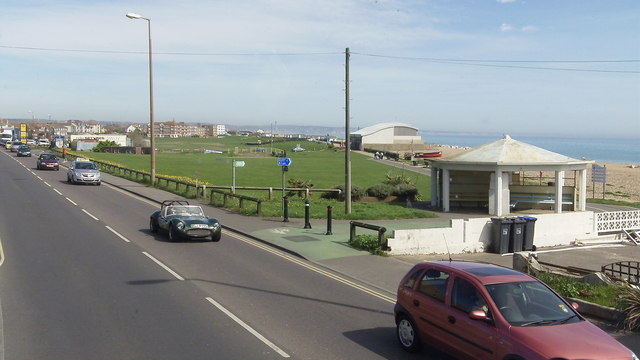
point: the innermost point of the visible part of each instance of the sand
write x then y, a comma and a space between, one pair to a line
623, 180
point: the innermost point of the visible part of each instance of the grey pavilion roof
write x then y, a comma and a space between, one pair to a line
508, 151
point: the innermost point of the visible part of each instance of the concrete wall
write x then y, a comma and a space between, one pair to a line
475, 235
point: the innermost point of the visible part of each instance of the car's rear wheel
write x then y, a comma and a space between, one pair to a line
153, 226
172, 234
408, 334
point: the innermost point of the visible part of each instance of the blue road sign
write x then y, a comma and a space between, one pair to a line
284, 161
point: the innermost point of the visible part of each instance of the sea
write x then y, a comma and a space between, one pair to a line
602, 149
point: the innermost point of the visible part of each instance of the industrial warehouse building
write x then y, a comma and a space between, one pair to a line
387, 137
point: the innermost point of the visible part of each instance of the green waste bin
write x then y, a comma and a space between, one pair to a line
501, 235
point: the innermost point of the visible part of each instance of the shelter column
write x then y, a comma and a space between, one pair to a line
582, 202
559, 184
496, 194
434, 187
445, 190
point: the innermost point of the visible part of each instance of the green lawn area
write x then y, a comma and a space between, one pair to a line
321, 165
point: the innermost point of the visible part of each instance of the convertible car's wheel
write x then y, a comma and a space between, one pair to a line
216, 237
172, 233
408, 334
153, 226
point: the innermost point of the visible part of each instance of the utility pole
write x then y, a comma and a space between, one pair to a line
347, 152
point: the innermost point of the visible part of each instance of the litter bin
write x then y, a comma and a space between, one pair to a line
501, 235
529, 229
517, 234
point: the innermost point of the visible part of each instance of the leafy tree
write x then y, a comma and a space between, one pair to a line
102, 144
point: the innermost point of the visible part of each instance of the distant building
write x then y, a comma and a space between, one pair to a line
120, 139
219, 130
386, 136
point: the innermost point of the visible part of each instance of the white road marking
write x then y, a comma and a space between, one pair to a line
39, 178
46, 183
1, 253
248, 328
117, 234
71, 201
91, 215
163, 266
56, 190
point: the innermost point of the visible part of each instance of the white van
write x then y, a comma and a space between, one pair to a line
43, 142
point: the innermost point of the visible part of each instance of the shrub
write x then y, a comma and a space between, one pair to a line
380, 191
356, 193
298, 183
368, 243
406, 191
630, 301
397, 179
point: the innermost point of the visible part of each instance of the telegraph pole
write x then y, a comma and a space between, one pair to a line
347, 152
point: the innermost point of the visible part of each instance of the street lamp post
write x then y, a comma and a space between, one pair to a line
151, 126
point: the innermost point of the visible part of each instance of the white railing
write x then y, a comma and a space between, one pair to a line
617, 220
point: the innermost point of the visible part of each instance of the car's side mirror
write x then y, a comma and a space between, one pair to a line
479, 315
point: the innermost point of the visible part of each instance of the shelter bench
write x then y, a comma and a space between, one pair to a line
538, 199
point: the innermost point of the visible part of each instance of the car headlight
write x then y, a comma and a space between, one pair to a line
180, 225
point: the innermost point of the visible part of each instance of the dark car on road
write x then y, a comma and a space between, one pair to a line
483, 311
23, 150
183, 221
48, 161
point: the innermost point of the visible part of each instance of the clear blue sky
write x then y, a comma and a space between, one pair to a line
463, 65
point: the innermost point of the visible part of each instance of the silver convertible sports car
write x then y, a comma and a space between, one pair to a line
184, 221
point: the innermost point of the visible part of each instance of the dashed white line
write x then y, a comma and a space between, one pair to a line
117, 234
163, 266
248, 328
39, 178
90, 215
46, 183
71, 201
56, 190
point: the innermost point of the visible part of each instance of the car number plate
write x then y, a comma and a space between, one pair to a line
205, 226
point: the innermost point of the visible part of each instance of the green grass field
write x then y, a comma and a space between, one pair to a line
321, 165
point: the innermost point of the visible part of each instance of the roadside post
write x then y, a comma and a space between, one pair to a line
234, 165
286, 208
307, 223
329, 211
284, 163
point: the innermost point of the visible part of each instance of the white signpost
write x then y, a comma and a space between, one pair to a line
234, 165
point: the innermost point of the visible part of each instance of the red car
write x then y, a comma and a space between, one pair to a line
483, 311
48, 161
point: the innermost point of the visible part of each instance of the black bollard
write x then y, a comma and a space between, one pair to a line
286, 209
329, 209
307, 224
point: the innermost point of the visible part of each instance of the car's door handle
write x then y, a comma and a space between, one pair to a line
416, 302
451, 319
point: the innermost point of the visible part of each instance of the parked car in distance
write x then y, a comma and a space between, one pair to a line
15, 145
44, 142
31, 142
48, 161
184, 221
83, 171
24, 150
483, 311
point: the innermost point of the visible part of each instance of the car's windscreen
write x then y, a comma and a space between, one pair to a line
48, 157
185, 211
85, 166
530, 303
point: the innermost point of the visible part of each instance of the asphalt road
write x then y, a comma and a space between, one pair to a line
82, 277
